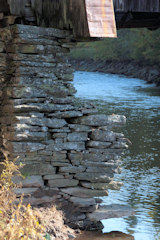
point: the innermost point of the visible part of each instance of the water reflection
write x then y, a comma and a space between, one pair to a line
141, 104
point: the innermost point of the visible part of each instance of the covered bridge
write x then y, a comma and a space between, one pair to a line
68, 148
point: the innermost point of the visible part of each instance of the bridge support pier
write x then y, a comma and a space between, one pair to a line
69, 150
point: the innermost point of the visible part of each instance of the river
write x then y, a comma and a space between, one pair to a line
140, 103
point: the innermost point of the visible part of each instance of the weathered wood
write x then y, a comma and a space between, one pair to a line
85, 18
4, 7
17, 7
101, 19
137, 5
63, 14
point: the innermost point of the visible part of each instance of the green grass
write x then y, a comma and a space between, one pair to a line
131, 44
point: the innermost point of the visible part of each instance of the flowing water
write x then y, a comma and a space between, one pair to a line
140, 103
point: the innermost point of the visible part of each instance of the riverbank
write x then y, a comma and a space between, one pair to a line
132, 69
53, 221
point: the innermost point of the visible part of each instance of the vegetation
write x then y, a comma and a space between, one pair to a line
131, 44
17, 221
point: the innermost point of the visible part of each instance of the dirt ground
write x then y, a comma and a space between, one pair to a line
53, 221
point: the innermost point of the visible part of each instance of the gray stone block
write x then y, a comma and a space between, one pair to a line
40, 107
103, 170
60, 163
26, 136
27, 146
110, 211
82, 202
62, 183
59, 135
26, 92
79, 128
104, 136
45, 153
34, 201
84, 193
94, 177
102, 186
100, 164
67, 114
38, 169
75, 156
99, 120
74, 146
53, 177
33, 181
94, 157
98, 144
119, 145
77, 136
88, 209
25, 191
59, 155
60, 130
55, 123
72, 169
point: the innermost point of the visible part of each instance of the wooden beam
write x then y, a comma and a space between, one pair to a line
101, 19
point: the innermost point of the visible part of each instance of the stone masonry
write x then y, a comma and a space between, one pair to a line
69, 150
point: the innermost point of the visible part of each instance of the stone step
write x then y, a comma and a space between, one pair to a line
110, 211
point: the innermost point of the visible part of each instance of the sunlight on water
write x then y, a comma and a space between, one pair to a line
140, 102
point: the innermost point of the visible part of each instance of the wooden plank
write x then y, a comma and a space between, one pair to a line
4, 7
87, 18
63, 14
79, 18
101, 19
137, 5
17, 7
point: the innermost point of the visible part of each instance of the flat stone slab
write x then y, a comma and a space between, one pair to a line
98, 144
82, 202
25, 191
72, 169
62, 183
104, 136
102, 186
110, 211
99, 120
28, 182
32, 181
38, 169
84, 193
37, 201
94, 177
53, 177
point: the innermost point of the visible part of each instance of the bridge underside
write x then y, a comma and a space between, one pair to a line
150, 20
85, 18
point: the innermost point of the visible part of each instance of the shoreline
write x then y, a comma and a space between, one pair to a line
128, 68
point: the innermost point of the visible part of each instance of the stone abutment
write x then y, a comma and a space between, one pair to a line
69, 150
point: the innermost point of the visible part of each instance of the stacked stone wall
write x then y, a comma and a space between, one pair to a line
2, 84
69, 150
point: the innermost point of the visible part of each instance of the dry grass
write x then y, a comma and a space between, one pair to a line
17, 221
53, 221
